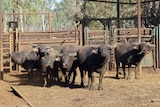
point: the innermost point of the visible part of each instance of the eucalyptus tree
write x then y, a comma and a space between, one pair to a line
7, 6
64, 15
28, 21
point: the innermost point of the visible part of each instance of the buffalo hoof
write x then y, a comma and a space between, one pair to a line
82, 85
72, 83
100, 88
117, 77
91, 88
127, 78
66, 85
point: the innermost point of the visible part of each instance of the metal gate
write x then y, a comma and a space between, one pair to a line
9, 45
96, 36
120, 35
17, 41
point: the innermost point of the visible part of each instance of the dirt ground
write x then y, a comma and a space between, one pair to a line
143, 92
8, 98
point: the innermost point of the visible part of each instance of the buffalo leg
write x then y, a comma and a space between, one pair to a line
82, 72
45, 82
91, 80
52, 76
55, 74
100, 80
46, 78
66, 77
124, 72
129, 72
30, 75
74, 77
117, 68
69, 76
72, 70
136, 71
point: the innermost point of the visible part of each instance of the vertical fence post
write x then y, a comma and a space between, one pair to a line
49, 22
158, 46
86, 35
154, 51
139, 28
77, 33
81, 34
106, 34
1, 55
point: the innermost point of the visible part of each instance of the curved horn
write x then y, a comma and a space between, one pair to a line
151, 45
72, 54
112, 46
34, 45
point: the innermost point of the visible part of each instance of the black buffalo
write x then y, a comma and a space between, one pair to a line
68, 62
28, 59
49, 63
129, 54
93, 59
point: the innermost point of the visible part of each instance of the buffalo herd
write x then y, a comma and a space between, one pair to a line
49, 60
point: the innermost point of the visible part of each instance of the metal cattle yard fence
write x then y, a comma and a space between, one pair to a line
19, 32
14, 39
130, 35
17, 41
122, 35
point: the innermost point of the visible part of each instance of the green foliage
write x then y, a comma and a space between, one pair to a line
65, 12
7, 6
100, 10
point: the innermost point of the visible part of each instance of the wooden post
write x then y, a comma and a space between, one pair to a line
76, 33
106, 34
139, 20
49, 22
81, 34
158, 46
86, 35
157, 39
139, 28
1, 54
118, 14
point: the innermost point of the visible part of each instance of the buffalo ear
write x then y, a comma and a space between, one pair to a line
111, 46
59, 55
136, 45
152, 46
95, 51
58, 59
34, 45
47, 47
35, 49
